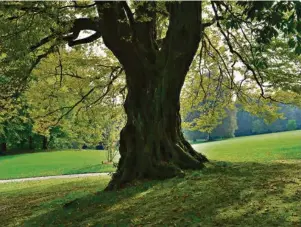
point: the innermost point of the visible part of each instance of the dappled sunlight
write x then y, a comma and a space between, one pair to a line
267, 201
223, 193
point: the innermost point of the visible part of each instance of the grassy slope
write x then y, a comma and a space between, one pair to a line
237, 193
260, 148
52, 163
20, 201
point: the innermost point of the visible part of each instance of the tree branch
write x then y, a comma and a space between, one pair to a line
42, 42
82, 24
117, 34
212, 22
232, 50
76, 6
182, 38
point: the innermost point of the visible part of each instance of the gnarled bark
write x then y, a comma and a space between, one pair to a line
152, 144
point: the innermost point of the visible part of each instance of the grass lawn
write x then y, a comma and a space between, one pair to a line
260, 148
53, 163
32, 199
241, 191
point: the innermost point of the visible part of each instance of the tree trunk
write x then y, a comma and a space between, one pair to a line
152, 145
209, 137
45, 143
30, 143
3, 148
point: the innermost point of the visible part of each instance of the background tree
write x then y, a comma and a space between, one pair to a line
227, 128
291, 125
75, 105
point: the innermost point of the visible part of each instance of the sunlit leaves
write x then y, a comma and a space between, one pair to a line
83, 101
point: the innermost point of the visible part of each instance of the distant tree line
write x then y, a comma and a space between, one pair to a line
18, 135
239, 122
21, 138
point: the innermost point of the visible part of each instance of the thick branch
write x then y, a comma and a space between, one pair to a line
210, 23
89, 39
182, 39
117, 34
76, 6
82, 24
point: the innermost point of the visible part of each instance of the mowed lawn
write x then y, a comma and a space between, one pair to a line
233, 190
53, 163
259, 148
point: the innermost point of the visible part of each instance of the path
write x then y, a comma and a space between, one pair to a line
55, 177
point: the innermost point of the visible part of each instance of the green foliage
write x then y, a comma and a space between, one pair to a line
55, 97
228, 126
205, 97
194, 136
249, 124
275, 18
211, 86
258, 126
291, 125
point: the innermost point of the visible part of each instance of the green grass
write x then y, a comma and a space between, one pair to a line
27, 200
53, 163
224, 194
260, 148
241, 191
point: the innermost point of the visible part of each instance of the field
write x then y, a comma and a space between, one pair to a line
53, 163
260, 148
253, 181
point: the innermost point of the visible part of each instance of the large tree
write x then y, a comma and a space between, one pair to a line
155, 42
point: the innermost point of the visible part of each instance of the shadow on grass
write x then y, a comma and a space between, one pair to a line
87, 208
224, 194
